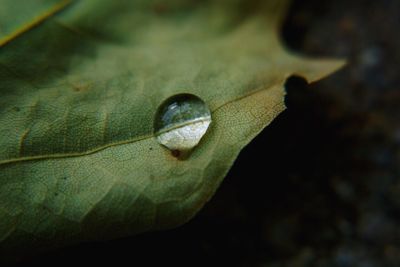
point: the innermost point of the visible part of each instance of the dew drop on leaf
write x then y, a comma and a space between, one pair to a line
181, 121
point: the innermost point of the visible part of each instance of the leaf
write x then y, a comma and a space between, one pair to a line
15, 19
78, 159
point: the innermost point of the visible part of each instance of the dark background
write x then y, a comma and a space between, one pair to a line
321, 185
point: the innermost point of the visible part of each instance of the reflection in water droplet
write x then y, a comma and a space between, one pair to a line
181, 121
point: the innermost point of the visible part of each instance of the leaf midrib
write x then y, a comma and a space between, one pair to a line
124, 142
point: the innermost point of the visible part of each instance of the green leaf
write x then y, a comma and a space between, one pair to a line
78, 158
16, 18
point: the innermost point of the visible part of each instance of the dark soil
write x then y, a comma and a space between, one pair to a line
321, 185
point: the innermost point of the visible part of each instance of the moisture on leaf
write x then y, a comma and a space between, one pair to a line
181, 121
80, 84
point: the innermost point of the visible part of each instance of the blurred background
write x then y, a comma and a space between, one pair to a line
321, 185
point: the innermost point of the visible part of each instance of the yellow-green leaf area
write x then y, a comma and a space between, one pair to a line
78, 157
16, 17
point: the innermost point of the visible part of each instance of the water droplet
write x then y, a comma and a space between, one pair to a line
181, 121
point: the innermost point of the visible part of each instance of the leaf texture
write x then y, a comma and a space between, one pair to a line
16, 18
78, 93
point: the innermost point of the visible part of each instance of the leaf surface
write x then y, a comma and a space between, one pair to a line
16, 18
78, 93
